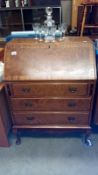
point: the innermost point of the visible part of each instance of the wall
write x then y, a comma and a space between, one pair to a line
75, 4
66, 11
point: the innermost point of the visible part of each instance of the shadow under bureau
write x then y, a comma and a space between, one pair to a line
50, 85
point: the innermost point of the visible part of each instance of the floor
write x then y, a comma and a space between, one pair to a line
50, 156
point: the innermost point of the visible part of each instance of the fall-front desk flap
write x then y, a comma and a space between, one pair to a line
70, 59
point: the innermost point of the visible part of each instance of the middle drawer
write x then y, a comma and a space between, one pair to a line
55, 104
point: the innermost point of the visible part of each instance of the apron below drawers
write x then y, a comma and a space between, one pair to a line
51, 119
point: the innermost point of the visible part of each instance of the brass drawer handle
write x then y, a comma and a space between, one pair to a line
72, 104
30, 118
26, 90
71, 119
72, 89
28, 104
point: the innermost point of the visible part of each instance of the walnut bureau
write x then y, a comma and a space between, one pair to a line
50, 85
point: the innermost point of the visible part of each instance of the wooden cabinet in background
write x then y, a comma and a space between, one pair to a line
2, 54
5, 122
96, 107
91, 21
23, 18
96, 98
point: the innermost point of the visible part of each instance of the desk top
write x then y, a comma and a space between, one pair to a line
70, 59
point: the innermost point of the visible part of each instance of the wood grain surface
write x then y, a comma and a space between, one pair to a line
70, 59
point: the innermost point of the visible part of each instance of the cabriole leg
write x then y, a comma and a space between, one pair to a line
86, 138
17, 134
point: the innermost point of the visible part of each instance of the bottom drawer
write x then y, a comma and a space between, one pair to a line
51, 118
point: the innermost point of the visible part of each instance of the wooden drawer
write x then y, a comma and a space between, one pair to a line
55, 104
51, 118
38, 90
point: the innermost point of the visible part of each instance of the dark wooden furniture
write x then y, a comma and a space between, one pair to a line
5, 123
2, 54
50, 85
87, 20
23, 18
96, 108
95, 118
83, 25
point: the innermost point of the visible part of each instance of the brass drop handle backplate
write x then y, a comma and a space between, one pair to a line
28, 104
72, 89
26, 90
30, 118
72, 104
71, 119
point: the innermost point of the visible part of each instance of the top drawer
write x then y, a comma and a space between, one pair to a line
38, 90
